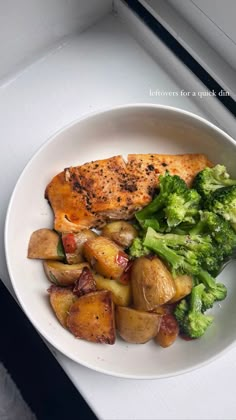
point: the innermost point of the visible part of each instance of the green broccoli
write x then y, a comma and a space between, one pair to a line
223, 203
220, 230
194, 324
182, 207
174, 204
213, 291
211, 179
209, 298
156, 221
179, 264
184, 228
184, 253
168, 185
181, 310
137, 249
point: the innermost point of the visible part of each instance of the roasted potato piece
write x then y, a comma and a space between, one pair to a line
92, 318
121, 232
106, 257
45, 244
121, 294
61, 299
73, 244
168, 331
136, 326
164, 309
183, 286
63, 274
152, 283
85, 283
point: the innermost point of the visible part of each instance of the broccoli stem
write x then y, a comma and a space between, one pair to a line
160, 247
177, 262
213, 292
150, 209
196, 298
167, 238
206, 279
199, 228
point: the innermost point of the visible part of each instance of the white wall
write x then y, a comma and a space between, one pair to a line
27, 27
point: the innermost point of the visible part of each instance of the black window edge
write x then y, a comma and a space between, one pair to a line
169, 40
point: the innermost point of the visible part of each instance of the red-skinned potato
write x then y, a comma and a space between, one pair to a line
136, 326
121, 293
168, 331
152, 283
106, 257
85, 283
45, 244
121, 232
63, 274
183, 287
92, 318
61, 299
73, 244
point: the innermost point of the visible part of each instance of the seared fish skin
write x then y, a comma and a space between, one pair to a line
89, 195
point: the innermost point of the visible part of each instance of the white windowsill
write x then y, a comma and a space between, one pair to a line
105, 66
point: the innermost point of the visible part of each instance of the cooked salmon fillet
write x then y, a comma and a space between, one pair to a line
89, 195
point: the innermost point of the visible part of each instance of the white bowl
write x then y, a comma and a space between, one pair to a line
122, 130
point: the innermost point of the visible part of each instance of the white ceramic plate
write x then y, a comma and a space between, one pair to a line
123, 130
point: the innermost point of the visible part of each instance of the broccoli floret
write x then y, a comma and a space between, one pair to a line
184, 253
174, 204
168, 184
213, 262
137, 249
209, 297
189, 312
223, 203
181, 310
211, 179
156, 221
222, 233
182, 207
213, 291
208, 301
195, 323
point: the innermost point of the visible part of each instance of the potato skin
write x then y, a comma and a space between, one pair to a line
135, 326
168, 331
61, 299
106, 257
121, 294
85, 283
45, 244
152, 283
73, 244
63, 274
121, 232
164, 309
183, 286
92, 318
